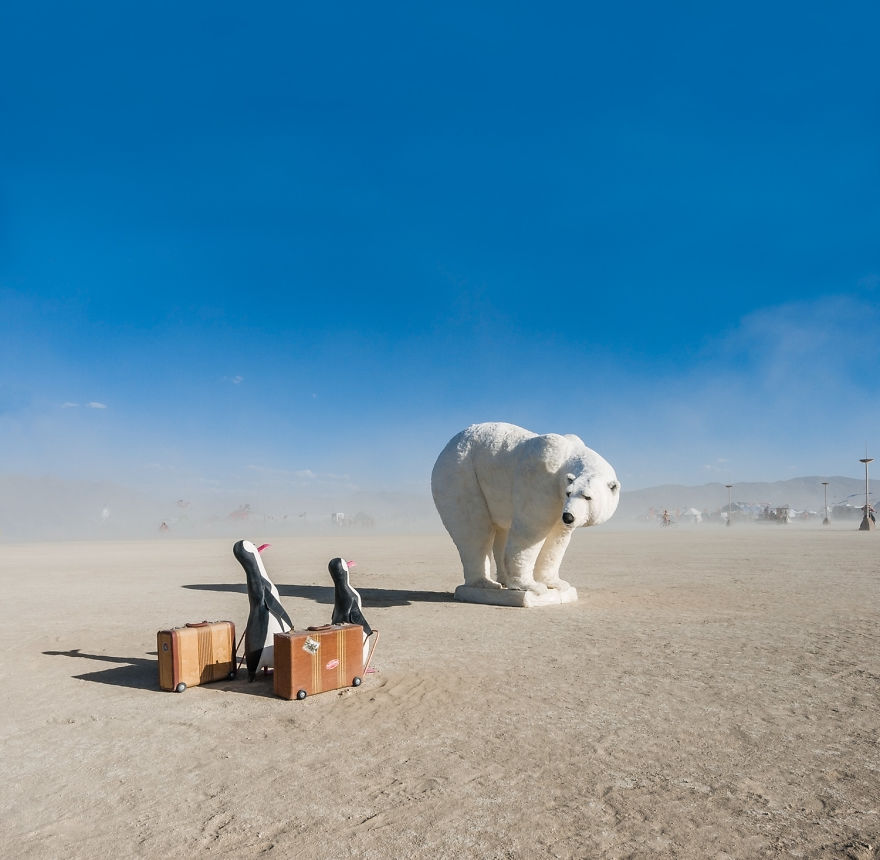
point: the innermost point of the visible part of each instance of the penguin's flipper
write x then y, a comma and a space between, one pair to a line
274, 606
357, 617
342, 610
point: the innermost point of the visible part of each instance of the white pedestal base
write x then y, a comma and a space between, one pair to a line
507, 597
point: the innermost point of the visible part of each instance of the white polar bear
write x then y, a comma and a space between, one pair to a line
502, 490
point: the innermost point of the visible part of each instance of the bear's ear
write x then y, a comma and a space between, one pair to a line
614, 486
570, 478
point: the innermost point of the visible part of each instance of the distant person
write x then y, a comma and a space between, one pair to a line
667, 520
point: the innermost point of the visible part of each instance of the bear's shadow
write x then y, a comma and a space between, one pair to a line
324, 594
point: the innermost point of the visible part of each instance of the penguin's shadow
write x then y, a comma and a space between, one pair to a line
371, 597
135, 672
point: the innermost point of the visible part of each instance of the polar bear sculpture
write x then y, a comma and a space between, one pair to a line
503, 491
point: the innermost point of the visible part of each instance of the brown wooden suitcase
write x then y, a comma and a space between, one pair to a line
196, 654
318, 659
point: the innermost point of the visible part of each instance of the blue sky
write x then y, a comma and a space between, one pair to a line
289, 245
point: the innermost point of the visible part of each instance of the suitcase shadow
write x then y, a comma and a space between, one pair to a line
141, 674
324, 594
135, 672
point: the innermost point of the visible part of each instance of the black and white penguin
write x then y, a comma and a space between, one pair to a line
267, 616
347, 602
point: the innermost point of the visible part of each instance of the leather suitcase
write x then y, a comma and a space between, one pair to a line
196, 654
318, 660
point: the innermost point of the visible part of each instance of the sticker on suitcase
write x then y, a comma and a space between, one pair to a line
311, 645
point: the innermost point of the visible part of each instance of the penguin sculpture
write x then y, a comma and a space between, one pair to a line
346, 602
267, 616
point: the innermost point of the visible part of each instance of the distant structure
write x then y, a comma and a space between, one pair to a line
729, 508
826, 521
240, 513
363, 520
337, 518
868, 523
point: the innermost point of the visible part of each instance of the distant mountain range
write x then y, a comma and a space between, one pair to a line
803, 494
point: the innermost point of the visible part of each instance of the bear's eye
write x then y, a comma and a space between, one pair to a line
613, 486
568, 493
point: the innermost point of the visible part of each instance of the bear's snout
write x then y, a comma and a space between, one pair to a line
568, 518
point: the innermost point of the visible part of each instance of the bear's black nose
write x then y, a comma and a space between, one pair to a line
568, 518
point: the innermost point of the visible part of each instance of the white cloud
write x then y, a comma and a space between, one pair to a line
94, 404
720, 465
69, 405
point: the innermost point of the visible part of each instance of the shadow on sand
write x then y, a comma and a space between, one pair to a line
324, 594
142, 674
136, 672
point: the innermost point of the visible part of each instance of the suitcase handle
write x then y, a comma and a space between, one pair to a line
321, 627
198, 624
370, 655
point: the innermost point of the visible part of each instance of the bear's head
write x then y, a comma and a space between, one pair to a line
592, 492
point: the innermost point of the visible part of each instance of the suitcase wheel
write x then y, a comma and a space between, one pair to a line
232, 674
356, 682
180, 687
301, 694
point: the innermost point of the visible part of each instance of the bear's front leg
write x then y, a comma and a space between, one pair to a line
550, 558
520, 556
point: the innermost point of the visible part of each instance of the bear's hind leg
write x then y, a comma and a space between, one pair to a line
463, 510
475, 560
473, 533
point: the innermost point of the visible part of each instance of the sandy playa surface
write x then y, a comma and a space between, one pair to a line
714, 692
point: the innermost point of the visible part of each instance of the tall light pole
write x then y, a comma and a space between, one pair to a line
729, 511
826, 521
867, 523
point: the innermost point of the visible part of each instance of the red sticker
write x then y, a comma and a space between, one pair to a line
332, 664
